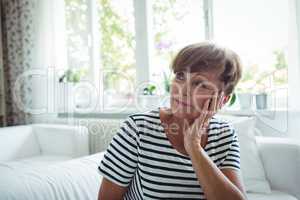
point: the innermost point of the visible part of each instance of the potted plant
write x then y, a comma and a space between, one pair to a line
273, 76
72, 76
232, 99
67, 82
167, 82
167, 79
244, 94
149, 99
261, 100
244, 91
261, 96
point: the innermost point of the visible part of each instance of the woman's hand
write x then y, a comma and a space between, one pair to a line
194, 133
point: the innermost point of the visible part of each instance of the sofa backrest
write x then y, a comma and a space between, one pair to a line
101, 133
61, 139
18, 142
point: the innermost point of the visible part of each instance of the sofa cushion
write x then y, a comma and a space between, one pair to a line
34, 162
64, 140
43, 160
18, 142
251, 165
73, 179
274, 195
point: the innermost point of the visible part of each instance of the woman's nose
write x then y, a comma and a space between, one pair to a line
185, 89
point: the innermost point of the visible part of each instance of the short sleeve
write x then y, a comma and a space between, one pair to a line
232, 158
120, 159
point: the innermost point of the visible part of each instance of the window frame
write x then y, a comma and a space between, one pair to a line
143, 50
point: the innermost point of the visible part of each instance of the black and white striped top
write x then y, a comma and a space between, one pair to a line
141, 158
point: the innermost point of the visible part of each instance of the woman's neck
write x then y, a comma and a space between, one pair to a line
173, 124
168, 117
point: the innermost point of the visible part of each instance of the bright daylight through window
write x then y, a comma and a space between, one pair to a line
102, 44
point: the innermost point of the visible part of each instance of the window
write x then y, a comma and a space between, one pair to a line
117, 52
78, 34
123, 43
176, 23
107, 38
258, 31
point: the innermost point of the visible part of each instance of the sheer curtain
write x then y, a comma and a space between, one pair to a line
294, 69
33, 46
294, 56
50, 56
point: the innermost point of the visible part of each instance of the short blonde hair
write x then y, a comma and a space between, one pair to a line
207, 56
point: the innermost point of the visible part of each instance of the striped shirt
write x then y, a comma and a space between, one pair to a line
141, 158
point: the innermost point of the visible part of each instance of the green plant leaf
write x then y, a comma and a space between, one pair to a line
232, 99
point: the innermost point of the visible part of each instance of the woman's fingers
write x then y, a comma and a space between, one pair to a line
214, 106
220, 101
210, 107
199, 122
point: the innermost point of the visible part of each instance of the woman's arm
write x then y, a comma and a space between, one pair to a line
216, 184
119, 162
111, 191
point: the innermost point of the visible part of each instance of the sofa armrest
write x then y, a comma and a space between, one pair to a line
281, 160
62, 140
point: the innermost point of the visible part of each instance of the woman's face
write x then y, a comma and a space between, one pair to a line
189, 91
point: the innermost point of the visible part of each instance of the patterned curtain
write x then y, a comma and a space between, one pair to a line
2, 97
17, 43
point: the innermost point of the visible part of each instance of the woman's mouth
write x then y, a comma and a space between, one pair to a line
182, 103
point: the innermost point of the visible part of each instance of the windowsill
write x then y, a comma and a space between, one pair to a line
102, 115
251, 112
124, 114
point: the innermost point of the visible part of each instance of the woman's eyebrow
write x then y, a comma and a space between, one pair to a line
200, 76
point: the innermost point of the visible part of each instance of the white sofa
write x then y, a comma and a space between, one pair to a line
42, 143
79, 178
281, 160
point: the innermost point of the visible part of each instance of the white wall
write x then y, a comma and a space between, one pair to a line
294, 70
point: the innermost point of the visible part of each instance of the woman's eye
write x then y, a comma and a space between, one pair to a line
198, 83
179, 76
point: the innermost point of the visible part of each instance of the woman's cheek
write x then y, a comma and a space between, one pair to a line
198, 103
174, 91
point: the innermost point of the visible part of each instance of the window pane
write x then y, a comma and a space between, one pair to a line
176, 23
258, 31
116, 19
77, 34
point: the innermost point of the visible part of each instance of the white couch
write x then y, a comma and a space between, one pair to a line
79, 178
42, 143
281, 160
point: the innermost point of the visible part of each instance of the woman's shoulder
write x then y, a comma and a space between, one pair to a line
149, 119
220, 127
146, 116
219, 122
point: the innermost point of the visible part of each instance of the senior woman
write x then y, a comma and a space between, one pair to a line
181, 152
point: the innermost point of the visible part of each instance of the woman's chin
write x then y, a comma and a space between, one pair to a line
185, 114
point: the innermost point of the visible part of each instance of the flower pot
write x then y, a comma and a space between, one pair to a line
148, 102
245, 100
261, 101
